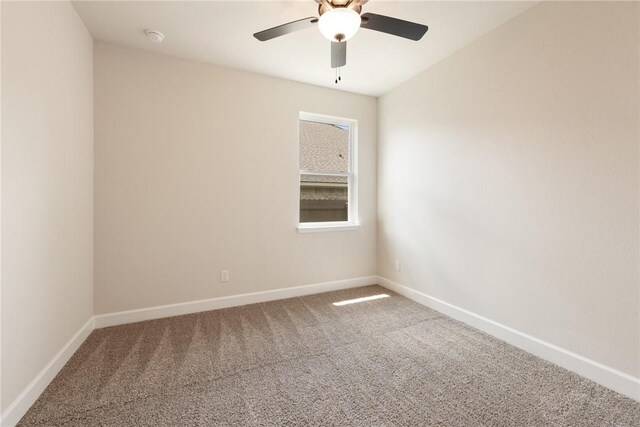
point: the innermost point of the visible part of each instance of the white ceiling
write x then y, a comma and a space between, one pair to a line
221, 32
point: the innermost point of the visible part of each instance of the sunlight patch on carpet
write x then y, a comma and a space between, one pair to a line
363, 299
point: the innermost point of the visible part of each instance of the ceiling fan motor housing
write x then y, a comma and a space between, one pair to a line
327, 5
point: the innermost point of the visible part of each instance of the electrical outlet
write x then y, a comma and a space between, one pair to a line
224, 276
398, 266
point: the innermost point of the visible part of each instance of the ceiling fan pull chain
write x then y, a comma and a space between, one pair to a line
336, 72
339, 72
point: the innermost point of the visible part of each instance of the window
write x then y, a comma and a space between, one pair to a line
328, 180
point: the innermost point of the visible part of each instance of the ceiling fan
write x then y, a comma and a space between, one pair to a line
340, 20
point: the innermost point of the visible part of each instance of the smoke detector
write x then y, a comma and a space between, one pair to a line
154, 36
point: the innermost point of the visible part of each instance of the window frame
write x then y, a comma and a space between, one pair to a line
353, 220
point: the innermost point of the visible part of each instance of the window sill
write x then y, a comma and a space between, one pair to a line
314, 227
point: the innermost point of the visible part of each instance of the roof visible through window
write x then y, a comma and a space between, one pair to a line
324, 147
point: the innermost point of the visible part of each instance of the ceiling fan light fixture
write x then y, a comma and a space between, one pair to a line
339, 24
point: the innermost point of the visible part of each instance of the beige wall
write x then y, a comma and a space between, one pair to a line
47, 186
508, 179
197, 171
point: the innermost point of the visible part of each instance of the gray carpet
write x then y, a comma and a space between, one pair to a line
304, 361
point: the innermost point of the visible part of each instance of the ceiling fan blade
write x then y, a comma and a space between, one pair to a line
338, 54
394, 26
283, 29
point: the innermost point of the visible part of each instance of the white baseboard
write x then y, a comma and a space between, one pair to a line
131, 316
30, 394
604, 375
